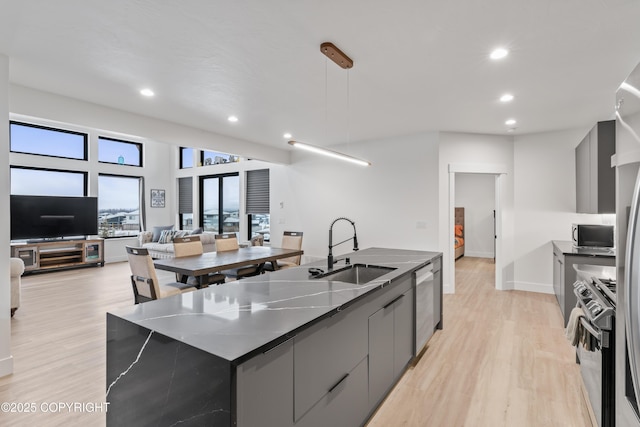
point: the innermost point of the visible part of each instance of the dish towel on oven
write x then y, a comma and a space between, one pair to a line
575, 331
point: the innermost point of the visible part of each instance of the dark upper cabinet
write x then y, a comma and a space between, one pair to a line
595, 178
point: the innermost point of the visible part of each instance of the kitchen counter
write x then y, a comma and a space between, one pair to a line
567, 248
216, 329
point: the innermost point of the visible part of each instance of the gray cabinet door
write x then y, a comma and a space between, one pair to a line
264, 388
391, 342
381, 331
583, 176
595, 178
558, 273
403, 324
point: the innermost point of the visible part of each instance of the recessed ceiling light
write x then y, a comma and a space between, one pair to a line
232, 119
146, 92
507, 97
287, 136
499, 53
510, 122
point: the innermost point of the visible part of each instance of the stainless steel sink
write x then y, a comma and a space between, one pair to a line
357, 274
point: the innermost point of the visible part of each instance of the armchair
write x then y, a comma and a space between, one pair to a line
17, 268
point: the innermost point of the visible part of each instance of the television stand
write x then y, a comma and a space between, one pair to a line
58, 254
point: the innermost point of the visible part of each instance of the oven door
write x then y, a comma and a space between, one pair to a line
591, 364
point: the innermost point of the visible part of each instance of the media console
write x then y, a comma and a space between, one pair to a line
57, 254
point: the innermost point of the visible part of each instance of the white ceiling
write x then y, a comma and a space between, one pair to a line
420, 65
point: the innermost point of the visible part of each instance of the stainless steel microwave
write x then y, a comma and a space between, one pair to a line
593, 236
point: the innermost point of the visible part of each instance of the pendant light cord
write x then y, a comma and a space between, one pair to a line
326, 102
348, 112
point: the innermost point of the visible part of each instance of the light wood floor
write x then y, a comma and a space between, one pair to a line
501, 360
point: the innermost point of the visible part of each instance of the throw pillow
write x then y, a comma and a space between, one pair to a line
166, 236
158, 230
198, 230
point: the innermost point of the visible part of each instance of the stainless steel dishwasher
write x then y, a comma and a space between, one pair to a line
425, 306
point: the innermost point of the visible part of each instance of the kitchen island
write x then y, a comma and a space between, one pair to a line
280, 349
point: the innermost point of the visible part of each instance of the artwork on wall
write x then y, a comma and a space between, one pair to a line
157, 198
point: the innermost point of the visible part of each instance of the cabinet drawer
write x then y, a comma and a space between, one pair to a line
325, 352
344, 406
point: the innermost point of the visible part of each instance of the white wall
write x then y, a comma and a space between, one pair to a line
6, 360
475, 149
35, 103
476, 194
545, 200
394, 202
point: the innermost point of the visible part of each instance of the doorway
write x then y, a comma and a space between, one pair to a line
482, 172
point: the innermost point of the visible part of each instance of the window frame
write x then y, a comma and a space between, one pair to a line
181, 151
138, 144
228, 157
49, 128
220, 177
85, 175
141, 220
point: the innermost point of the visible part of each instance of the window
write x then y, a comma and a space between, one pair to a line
119, 211
47, 182
257, 203
119, 152
185, 203
45, 141
215, 158
186, 158
220, 203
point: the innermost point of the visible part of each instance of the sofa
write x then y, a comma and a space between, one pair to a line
160, 249
17, 268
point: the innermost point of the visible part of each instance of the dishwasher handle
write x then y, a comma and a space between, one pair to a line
424, 275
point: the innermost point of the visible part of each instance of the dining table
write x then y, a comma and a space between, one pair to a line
200, 266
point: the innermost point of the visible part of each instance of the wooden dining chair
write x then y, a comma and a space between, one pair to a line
229, 242
192, 246
144, 280
290, 240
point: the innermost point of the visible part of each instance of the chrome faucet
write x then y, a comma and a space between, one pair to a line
330, 260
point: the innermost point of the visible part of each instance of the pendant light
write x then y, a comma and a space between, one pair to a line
343, 61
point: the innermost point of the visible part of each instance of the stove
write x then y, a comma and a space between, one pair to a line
608, 287
595, 290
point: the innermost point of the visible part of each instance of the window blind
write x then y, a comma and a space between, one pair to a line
185, 195
257, 194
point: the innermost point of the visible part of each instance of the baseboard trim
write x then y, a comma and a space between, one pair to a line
6, 366
478, 254
540, 288
446, 289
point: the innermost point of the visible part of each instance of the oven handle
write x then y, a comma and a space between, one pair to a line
593, 331
601, 336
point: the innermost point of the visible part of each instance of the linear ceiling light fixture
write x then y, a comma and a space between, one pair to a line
329, 153
343, 61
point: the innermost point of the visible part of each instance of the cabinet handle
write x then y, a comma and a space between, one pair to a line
393, 301
338, 383
277, 345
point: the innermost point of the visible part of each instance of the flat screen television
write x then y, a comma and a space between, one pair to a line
47, 217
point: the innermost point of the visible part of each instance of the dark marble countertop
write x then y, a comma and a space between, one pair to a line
567, 248
237, 319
